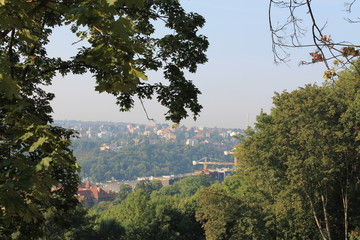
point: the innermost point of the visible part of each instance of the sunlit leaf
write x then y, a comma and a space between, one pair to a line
37, 144
44, 163
26, 136
111, 2
26, 35
139, 74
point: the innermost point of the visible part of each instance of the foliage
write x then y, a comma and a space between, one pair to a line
145, 216
148, 186
121, 35
218, 212
151, 213
76, 225
38, 172
186, 187
354, 235
298, 170
305, 156
142, 160
124, 191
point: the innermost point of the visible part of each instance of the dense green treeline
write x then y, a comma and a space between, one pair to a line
149, 212
141, 160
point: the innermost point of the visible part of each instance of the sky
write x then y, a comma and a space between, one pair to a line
237, 82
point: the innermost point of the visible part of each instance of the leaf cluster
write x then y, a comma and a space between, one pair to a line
37, 168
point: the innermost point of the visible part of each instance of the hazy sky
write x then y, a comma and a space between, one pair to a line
239, 79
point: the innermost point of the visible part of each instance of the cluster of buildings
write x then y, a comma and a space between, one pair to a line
114, 136
130, 134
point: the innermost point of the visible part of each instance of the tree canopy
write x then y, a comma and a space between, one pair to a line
297, 175
122, 45
303, 159
38, 172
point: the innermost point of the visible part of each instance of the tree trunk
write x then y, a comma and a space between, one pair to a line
326, 218
345, 200
316, 217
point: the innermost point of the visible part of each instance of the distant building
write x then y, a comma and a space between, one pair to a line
111, 147
216, 174
170, 136
224, 135
104, 147
90, 195
147, 133
167, 180
114, 186
192, 142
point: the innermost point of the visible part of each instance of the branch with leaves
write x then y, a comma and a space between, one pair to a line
118, 44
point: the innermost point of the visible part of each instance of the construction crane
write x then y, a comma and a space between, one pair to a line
205, 162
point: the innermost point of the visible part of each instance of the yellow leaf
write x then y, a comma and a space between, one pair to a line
44, 163
38, 143
139, 74
111, 2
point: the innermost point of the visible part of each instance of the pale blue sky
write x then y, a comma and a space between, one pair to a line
239, 79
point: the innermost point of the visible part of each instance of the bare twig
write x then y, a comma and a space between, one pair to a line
147, 116
288, 35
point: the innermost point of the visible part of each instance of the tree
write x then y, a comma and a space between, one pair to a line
222, 213
148, 186
124, 191
290, 33
145, 216
186, 187
260, 182
38, 171
307, 149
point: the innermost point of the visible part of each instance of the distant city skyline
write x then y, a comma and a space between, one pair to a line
238, 81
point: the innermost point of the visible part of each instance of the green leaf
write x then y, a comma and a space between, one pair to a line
111, 2
9, 86
25, 35
122, 28
134, 3
98, 47
44, 163
103, 87
37, 144
26, 136
139, 74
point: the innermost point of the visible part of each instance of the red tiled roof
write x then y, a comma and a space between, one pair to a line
88, 184
85, 193
95, 192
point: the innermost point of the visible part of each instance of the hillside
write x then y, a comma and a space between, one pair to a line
134, 161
